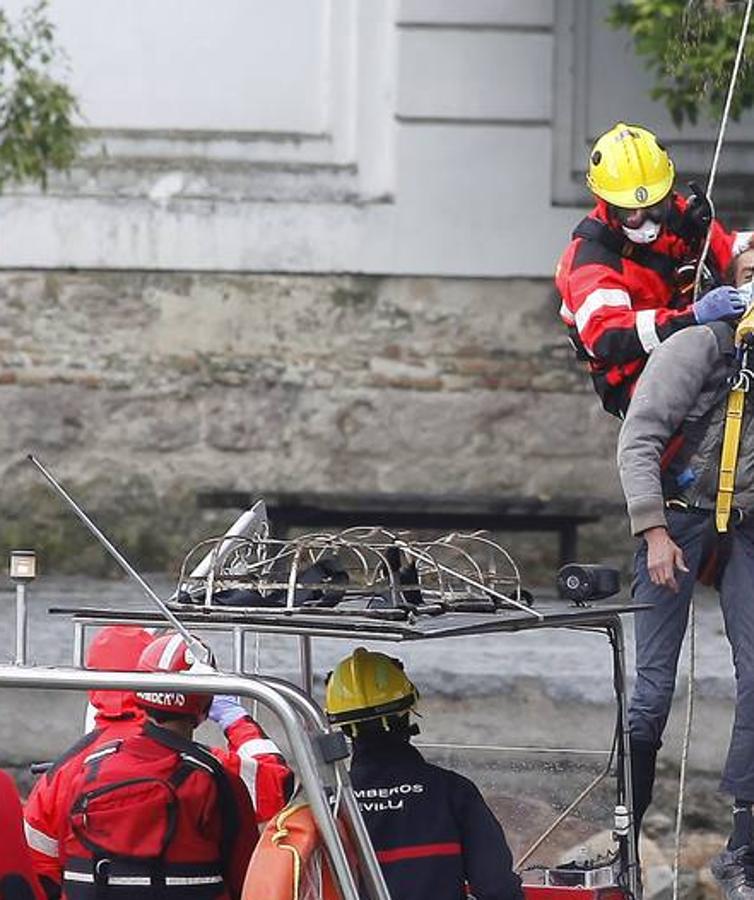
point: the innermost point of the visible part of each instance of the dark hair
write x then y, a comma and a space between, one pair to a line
167, 715
398, 726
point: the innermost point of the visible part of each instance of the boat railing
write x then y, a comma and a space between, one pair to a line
317, 752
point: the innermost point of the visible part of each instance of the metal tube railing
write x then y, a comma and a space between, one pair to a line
305, 662
267, 627
615, 630
258, 689
22, 624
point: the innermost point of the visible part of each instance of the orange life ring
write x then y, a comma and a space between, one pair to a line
290, 861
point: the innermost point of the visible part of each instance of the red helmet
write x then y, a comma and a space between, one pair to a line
171, 653
116, 648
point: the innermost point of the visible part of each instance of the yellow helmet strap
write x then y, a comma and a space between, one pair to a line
397, 726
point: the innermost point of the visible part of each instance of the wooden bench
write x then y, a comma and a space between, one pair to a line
466, 512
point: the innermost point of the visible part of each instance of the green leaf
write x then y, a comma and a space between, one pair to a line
38, 134
690, 46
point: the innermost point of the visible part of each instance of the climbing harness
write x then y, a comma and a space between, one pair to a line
734, 413
740, 386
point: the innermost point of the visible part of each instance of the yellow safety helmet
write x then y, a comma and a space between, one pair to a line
629, 167
367, 686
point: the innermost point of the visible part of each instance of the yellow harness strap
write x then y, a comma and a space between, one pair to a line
729, 457
734, 413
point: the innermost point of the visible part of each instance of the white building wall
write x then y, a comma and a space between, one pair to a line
302, 135
425, 137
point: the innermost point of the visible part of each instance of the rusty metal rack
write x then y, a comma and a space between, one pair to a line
367, 571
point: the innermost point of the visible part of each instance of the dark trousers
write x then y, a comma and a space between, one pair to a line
659, 636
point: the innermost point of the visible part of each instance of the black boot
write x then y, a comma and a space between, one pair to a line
733, 868
643, 760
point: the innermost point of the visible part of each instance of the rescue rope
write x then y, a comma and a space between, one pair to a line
685, 748
692, 611
720, 137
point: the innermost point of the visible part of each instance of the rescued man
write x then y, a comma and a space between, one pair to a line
434, 836
669, 455
134, 734
625, 277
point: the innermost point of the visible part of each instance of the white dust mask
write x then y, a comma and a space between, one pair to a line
747, 293
646, 232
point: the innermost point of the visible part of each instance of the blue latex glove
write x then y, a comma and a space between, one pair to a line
722, 302
226, 710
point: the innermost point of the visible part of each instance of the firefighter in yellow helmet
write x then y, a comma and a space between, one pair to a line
435, 837
625, 277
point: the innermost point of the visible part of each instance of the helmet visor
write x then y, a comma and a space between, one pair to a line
635, 218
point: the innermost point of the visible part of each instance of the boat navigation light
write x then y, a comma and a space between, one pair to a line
23, 569
23, 565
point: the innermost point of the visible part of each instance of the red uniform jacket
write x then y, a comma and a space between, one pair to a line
117, 806
618, 309
17, 877
250, 755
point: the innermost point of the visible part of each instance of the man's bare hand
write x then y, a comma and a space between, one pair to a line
664, 557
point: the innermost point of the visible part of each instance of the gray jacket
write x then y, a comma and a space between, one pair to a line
683, 384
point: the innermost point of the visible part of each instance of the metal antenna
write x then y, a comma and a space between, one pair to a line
197, 648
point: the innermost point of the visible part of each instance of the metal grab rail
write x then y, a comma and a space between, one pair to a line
270, 695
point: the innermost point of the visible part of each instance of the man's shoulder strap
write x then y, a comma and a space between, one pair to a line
591, 229
76, 750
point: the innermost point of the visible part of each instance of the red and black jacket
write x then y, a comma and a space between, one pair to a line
434, 836
620, 300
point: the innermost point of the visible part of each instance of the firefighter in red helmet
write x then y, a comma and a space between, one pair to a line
119, 714
250, 753
111, 716
115, 648
625, 277
155, 812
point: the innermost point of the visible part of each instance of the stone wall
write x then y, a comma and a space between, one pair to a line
139, 389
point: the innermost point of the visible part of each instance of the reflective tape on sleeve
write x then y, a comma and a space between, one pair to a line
40, 841
598, 300
646, 328
258, 747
